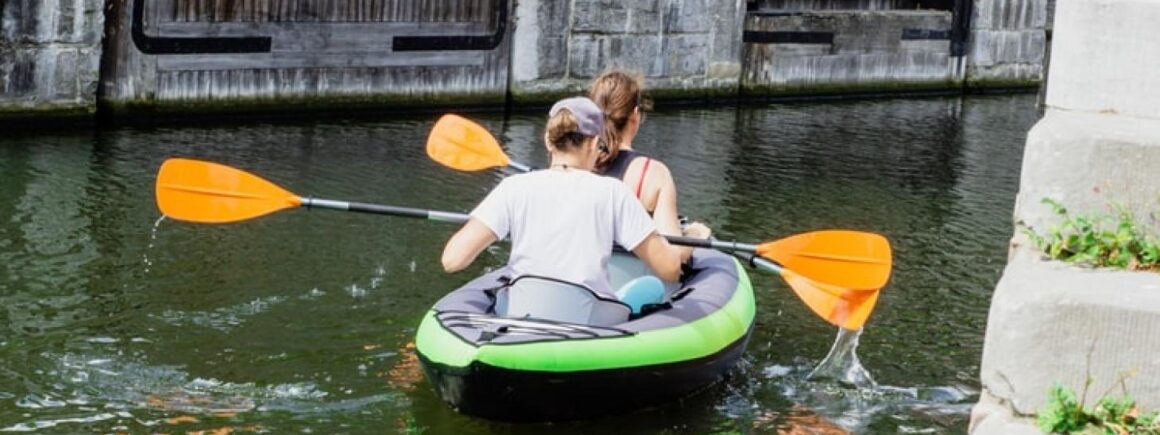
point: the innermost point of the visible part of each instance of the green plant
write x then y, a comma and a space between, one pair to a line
1113, 416
1099, 241
1063, 414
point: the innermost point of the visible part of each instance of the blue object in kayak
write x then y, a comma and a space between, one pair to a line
641, 291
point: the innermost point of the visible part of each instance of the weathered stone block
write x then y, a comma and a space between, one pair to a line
1005, 75
993, 47
38, 22
599, 16
587, 55
18, 21
1088, 161
686, 55
65, 66
553, 56
526, 40
1009, 14
1103, 57
644, 19
591, 54
773, 52
552, 16
858, 31
815, 5
727, 28
20, 69
49, 55
926, 45
686, 16
851, 70
1052, 323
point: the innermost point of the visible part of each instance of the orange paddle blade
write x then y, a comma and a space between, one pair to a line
205, 192
461, 144
850, 259
842, 307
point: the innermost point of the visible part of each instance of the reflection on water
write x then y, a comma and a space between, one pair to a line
301, 321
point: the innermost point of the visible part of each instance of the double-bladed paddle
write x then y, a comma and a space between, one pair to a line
850, 259
206, 192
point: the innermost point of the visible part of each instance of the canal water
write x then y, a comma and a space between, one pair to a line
303, 321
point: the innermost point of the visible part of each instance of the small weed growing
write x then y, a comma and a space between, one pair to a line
1099, 241
1113, 416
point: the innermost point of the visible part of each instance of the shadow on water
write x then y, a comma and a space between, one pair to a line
304, 321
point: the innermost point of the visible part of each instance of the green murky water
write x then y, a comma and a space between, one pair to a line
303, 321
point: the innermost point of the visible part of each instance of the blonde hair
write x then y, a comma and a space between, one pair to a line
618, 92
563, 132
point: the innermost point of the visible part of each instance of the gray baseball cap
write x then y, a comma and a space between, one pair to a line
587, 114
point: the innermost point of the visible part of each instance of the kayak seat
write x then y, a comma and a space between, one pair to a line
536, 297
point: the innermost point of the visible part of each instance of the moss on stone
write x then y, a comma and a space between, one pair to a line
300, 105
47, 114
830, 89
998, 84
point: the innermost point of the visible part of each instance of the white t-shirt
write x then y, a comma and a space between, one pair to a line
563, 223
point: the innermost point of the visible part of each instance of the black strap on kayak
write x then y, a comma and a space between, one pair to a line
647, 309
491, 292
680, 294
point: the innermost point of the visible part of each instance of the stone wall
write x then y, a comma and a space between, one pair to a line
49, 53
849, 5
207, 55
685, 48
847, 51
1008, 43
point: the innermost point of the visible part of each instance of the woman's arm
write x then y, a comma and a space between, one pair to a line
665, 213
466, 244
660, 256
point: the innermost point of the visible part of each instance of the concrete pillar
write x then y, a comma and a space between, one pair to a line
1098, 144
49, 57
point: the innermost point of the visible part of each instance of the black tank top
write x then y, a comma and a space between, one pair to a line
620, 165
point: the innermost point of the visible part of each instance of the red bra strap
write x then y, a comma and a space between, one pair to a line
643, 172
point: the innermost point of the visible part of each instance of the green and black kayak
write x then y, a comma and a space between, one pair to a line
534, 370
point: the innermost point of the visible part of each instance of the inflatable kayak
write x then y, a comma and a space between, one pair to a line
523, 369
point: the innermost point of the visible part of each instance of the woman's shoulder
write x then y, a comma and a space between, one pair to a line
658, 170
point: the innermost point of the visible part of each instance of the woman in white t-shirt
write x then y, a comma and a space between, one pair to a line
564, 220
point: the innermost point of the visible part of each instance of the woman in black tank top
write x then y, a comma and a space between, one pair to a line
619, 93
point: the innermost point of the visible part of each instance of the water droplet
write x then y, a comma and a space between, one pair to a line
152, 241
356, 291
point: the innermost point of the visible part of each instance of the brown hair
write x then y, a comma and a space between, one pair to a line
564, 131
618, 92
